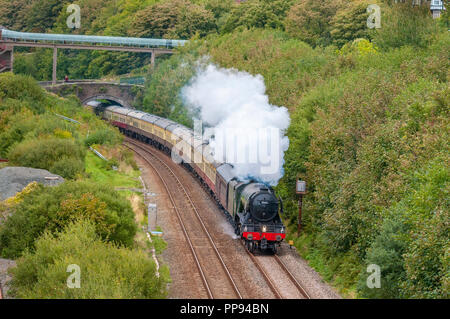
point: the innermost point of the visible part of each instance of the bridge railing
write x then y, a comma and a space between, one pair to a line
133, 80
45, 83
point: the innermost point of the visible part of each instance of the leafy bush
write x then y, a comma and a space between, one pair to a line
256, 14
387, 251
404, 24
350, 22
427, 261
23, 88
411, 246
179, 19
106, 271
52, 208
24, 125
50, 153
309, 20
104, 136
68, 167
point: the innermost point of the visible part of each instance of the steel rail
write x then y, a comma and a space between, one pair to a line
188, 239
265, 275
181, 186
292, 278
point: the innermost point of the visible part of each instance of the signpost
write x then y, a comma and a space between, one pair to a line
300, 190
152, 210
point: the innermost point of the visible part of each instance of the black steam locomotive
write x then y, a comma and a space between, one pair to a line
256, 216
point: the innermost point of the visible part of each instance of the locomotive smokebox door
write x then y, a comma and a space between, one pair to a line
301, 187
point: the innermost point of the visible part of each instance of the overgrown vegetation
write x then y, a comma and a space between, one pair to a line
84, 214
51, 209
369, 109
107, 271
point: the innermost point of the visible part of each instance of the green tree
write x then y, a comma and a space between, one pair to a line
162, 95
404, 24
52, 208
350, 23
309, 20
106, 271
41, 15
256, 14
387, 252
22, 88
179, 19
427, 260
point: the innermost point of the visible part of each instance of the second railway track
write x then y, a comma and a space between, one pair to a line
210, 280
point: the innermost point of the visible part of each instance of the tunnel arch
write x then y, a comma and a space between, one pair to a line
111, 98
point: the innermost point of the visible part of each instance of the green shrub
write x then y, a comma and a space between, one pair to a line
427, 260
178, 19
22, 88
103, 136
48, 154
256, 14
24, 125
106, 271
68, 167
350, 22
387, 252
52, 208
411, 248
309, 20
404, 24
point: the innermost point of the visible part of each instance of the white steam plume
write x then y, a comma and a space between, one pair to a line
248, 130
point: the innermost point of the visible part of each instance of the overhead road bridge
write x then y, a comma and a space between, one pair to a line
10, 39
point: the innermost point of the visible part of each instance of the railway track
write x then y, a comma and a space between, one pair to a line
292, 278
273, 287
208, 282
278, 294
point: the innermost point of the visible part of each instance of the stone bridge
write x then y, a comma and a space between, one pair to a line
125, 95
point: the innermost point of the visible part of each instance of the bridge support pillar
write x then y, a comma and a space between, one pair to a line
55, 63
153, 59
12, 60
6, 58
